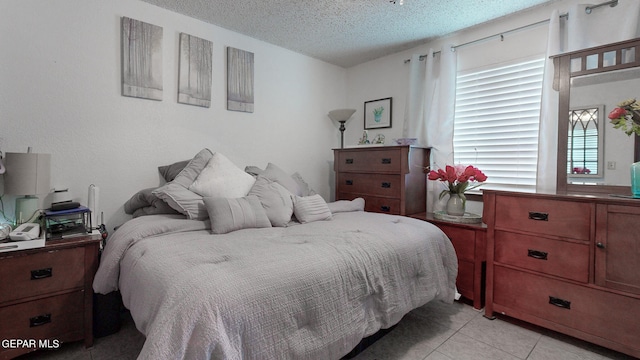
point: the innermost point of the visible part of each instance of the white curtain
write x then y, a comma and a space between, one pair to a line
548, 133
603, 25
430, 109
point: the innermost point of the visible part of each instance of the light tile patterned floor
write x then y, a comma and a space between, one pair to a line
436, 331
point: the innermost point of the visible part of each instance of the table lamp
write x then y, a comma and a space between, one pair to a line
26, 174
341, 116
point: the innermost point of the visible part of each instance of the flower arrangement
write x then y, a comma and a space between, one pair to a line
458, 179
626, 117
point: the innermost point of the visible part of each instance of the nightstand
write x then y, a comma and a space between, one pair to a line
469, 240
46, 295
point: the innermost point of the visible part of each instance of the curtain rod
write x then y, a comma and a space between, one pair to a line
588, 10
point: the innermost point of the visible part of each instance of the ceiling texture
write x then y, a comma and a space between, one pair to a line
346, 32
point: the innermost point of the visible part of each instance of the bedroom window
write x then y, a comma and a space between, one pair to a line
497, 115
584, 149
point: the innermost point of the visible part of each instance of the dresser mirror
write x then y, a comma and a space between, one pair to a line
593, 156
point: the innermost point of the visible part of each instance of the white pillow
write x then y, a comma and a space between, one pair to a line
222, 178
229, 215
274, 173
311, 208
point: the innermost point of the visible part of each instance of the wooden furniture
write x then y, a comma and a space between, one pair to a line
470, 244
46, 294
391, 179
566, 73
569, 263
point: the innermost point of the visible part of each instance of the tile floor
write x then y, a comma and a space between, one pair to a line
436, 331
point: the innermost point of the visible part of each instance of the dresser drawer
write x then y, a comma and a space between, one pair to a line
57, 317
375, 204
372, 184
589, 310
555, 257
41, 273
375, 161
543, 216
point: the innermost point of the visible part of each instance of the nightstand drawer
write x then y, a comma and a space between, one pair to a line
543, 216
58, 317
371, 184
379, 161
569, 260
41, 273
463, 240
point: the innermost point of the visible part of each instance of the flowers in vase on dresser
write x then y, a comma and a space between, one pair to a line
626, 117
457, 180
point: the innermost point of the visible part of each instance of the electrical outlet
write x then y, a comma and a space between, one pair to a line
611, 165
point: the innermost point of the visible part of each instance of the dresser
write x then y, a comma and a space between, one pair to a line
567, 263
391, 179
470, 244
46, 295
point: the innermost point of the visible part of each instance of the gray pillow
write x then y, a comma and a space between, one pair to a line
177, 194
311, 208
274, 173
169, 172
356, 204
145, 203
229, 215
275, 199
303, 188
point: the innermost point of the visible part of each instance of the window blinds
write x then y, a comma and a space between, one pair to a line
497, 115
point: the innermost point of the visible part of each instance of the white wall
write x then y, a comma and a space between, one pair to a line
60, 94
388, 76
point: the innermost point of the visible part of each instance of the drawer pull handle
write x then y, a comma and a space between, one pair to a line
385, 208
349, 182
386, 160
41, 273
39, 320
537, 254
600, 245
538, 216
565, 304
386, 185
348, 161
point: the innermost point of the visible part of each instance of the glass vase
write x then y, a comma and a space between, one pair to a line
455, 205
635, 180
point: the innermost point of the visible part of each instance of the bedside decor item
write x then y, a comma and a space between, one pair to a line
27, 174
379, 139
364, 139
377, 114
141, 59
458, 179
239, 80
341, 116
635, 179
626, 117
405, 141
194, 80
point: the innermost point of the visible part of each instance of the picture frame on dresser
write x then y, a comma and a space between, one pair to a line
377, 113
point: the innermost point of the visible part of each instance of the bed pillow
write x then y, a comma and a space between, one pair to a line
356, 204
169, 172
275, 199
253, 170
274, 173
229, 215
311, 208
303, 188
177, 194
222, 178
145, 203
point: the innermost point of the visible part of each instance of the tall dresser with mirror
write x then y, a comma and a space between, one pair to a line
570, 260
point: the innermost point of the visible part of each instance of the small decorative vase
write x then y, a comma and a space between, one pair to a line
635, 180
455, 205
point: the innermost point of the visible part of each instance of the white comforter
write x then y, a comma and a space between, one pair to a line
309, 291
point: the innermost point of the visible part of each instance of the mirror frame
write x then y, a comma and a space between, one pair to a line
562, 83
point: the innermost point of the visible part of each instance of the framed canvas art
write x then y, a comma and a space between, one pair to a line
141, 59
194, 80
239, 80
377, 114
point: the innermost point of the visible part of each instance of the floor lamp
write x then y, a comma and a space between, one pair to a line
341, 116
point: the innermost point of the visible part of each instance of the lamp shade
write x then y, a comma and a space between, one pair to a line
27, 173
341, 114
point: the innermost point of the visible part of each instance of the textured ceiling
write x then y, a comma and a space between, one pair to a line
346, 32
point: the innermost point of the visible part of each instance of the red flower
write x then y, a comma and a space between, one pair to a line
617, 113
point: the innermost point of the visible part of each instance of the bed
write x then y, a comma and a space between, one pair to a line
207, 287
